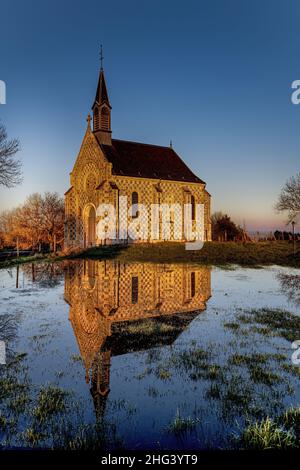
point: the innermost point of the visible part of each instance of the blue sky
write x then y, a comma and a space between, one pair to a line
214, 76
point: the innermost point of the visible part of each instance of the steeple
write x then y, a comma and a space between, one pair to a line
102, 110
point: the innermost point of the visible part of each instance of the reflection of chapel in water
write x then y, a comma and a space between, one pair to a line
108, 298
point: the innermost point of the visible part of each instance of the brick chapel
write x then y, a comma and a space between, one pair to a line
108, 168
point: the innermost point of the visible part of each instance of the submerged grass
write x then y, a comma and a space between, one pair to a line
195, 358
239, 396
259, 375
248, 359
51, 401
291, 419
10, 386
163, 373
275, 322
182, 425
196, 363
232, 325
283, 432
291, 369
267, 434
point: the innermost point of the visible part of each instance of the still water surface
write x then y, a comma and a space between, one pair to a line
140, 350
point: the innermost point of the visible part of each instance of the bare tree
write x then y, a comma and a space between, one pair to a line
289, 198
10, 168
53, 218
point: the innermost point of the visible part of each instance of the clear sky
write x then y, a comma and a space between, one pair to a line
214, 76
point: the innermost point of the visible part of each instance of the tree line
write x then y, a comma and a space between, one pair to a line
38, 224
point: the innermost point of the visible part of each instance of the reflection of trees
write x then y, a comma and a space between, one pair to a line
8, 327
44, 274
290, 286
8, 330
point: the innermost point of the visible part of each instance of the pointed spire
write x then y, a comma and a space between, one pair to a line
171, 144
102, 109
101, 93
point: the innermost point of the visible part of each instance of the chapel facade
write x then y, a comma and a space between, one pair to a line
107, 168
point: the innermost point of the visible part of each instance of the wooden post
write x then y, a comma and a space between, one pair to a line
54, 243
17, 277
294, 241
18, 251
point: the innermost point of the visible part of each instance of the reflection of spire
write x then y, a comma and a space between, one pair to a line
99, 405
100, 373
100, 382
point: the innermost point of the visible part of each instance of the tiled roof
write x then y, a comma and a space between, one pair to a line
147, 161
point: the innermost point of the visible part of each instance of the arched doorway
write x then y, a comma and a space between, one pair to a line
90, 230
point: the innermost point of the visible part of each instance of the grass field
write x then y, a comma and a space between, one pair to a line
213, 253
22, 260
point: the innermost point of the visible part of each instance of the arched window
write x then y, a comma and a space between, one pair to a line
193, 204
134, 202
105, 119
193, 284
96, 119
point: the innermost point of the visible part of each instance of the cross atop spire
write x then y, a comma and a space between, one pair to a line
101, 57
88, 120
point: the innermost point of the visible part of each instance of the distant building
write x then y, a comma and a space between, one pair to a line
107, 168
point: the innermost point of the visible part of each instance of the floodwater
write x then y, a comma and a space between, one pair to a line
101, 354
